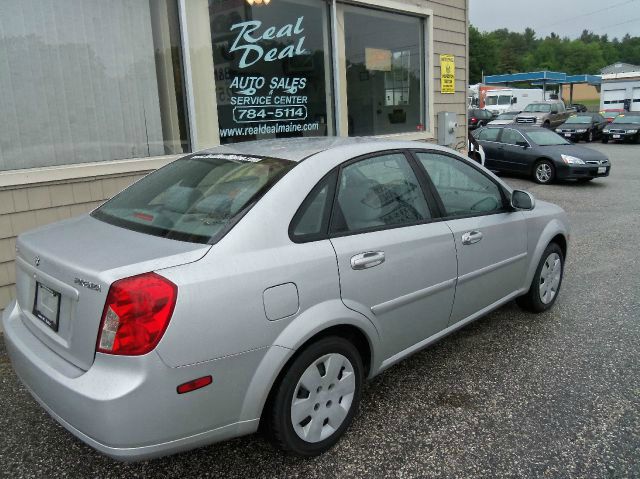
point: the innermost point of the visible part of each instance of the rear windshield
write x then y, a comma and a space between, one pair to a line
196, 198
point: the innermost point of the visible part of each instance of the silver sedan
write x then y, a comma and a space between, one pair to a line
261, 284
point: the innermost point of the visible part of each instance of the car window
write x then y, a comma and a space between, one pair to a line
311, 220
463, 189
511, 137
378, 192
489, 134
194, 198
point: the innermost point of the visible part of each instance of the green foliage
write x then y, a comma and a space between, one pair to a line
504, 51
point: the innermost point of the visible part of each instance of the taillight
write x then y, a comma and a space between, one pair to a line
473, 120
136, 314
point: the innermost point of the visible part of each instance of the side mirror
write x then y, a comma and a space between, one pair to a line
522, 144
522, 200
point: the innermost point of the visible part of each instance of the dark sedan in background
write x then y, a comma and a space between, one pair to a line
539, 153
583, 126
478, 117
625, 127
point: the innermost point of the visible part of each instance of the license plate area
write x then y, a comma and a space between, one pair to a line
616, 136
602, 169
568, 135
46, 306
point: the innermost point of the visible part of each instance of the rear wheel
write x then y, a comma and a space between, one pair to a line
543, 172
317, 398
546, 283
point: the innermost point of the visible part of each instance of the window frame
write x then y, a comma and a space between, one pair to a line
506, 206
502, 130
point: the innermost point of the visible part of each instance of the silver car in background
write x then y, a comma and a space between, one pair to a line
260, 284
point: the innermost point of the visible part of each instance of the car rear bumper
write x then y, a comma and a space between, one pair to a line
128, 407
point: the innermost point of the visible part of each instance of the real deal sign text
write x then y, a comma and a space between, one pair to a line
448, 73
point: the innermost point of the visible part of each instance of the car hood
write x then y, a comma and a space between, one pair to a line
586, 154
622, 126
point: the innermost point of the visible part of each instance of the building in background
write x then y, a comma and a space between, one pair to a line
620, 87
97, 93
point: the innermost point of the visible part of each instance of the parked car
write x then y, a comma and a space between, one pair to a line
578, 107
625, 127
539, 153
478, 117
267, 280
505, 118
547, 114
583, 126
610, 114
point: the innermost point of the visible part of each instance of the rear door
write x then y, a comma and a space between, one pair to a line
396, 265
491, 240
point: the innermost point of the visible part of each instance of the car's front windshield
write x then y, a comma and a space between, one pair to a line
538, 108
633, 119
194, 198
546, 138
579, 119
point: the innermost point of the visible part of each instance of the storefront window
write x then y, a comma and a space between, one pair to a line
89, 81
272, 68
385, 72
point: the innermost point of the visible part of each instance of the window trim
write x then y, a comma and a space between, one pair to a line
506, 208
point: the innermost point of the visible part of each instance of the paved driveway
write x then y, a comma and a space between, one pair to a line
512, 395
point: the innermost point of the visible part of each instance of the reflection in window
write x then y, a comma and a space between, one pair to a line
385, 71
92, 82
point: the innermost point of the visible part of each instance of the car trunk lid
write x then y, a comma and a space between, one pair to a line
63, 274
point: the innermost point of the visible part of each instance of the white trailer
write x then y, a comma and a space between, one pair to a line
511, 99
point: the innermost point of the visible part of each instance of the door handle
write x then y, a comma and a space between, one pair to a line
471, 237
367, 260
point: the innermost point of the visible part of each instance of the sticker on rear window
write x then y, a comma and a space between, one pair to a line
223, 156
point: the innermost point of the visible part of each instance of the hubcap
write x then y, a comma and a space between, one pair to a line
550, 278
322, 398
543, 172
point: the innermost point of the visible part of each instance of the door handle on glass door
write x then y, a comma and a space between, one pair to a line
471, 237
367, 260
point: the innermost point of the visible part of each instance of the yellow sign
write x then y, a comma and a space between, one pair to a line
447, 74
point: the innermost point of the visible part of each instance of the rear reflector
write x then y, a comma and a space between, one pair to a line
195, 384
136, 314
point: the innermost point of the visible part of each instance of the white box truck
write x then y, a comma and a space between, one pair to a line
511, 99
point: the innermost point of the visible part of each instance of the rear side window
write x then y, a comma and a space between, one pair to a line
194, 199
511, 137
312, 219
464, 190
489, 134
378, 192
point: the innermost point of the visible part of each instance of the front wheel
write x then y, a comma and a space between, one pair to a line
543, 172
546, 283
317, 398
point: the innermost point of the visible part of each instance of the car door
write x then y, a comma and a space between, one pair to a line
397, 266
513, 153
491, 240
488, 138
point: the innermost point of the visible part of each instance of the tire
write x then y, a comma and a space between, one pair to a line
330, 399
540, 298
605, 140
590, 137
544, 172
546, 125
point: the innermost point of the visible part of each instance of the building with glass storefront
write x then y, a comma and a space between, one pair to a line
95, 94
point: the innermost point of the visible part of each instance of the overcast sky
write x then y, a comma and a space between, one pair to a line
564, 17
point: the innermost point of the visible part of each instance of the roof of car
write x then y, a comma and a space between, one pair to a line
297, 149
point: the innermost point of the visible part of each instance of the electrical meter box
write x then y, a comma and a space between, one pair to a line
447, 125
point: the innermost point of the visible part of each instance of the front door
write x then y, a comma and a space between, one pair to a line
491, 241
395, 265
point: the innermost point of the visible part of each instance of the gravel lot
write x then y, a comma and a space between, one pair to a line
512, 395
